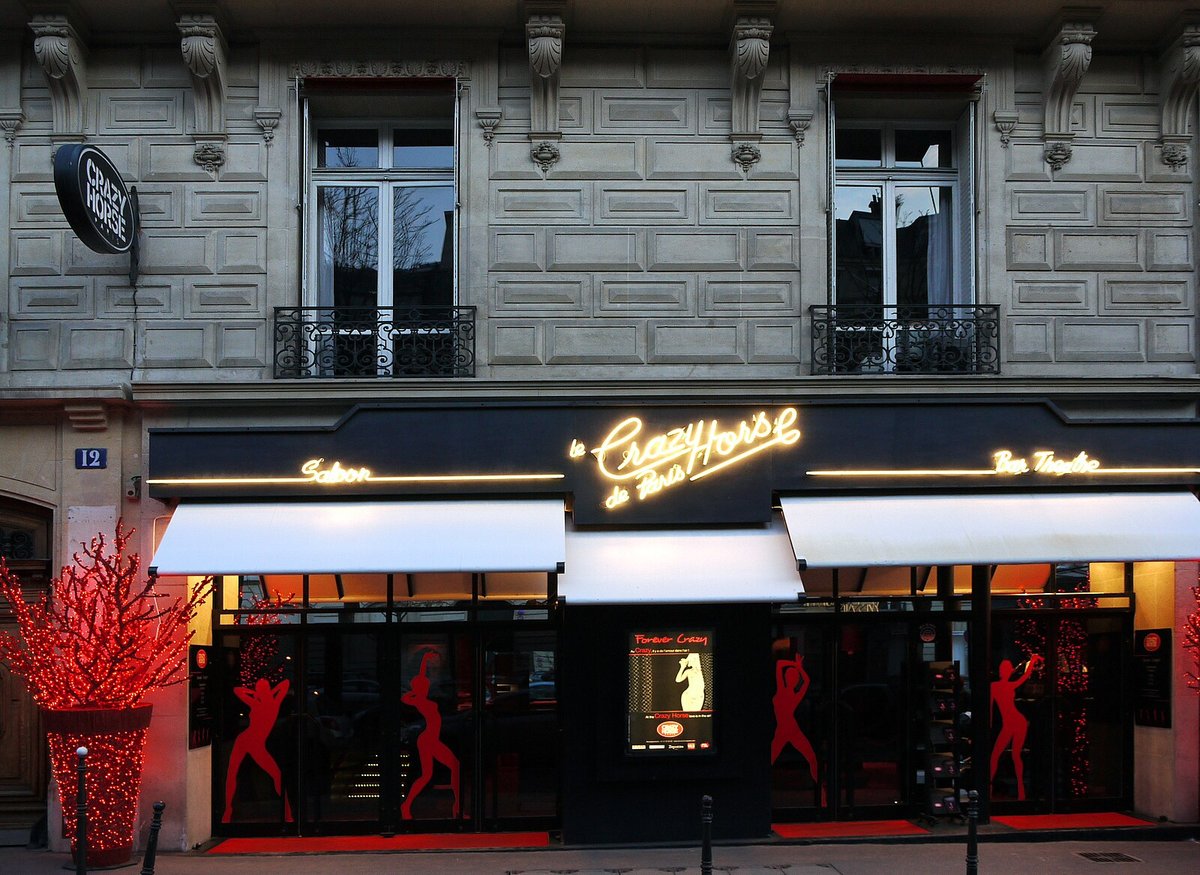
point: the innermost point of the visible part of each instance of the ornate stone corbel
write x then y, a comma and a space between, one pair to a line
1179, 80
204, 53
1006, 123
61, 54
544, 31
10, 121
1064, 61
268, 118
488, 118
749, 50
798, 121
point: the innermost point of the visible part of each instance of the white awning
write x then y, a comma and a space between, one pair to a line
993, 529
316, 537
680, 565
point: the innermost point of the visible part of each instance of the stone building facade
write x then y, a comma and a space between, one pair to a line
645, 205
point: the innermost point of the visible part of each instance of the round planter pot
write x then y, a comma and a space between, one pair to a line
116, 741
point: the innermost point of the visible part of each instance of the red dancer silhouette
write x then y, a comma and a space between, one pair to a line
264, 701
430, 747
791, 684
1013, 724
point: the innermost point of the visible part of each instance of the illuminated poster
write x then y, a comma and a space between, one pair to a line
671, 692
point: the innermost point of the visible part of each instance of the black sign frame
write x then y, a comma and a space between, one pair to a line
98, 206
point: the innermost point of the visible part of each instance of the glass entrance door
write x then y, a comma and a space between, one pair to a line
1058, 695
841, 736
331, 728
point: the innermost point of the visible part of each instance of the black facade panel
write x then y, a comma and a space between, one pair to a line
612, 797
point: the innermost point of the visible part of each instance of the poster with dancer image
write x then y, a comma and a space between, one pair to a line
670, 692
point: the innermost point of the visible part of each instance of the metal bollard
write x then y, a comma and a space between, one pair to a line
972, 841
152, 841
706, 816
81, 813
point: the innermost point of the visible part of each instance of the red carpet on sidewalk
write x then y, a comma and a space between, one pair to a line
415, 842
1069, 821
847, 829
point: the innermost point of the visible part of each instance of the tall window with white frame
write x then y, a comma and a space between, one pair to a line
380, 231
902, 296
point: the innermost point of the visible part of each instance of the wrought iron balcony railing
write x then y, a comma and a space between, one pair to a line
906, 340
326, 342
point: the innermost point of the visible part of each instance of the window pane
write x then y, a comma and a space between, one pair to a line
858, 220
924, 246
859, 147
416, 148
350, 147
348, 245
923, 149
422, 245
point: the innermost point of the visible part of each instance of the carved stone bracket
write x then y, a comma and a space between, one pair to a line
1065, 61
10, 121
799, 121
488, 118
61, 54
268, 118
87, 416
204, 53
210, 155
745, 155
1006, 123
1179, 81
749, 51
544, 31
545, 155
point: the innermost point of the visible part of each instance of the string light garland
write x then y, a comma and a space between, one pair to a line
90, 649
259, 653
1071, 677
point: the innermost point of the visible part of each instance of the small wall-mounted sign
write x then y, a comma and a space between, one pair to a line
94, 198
91, 457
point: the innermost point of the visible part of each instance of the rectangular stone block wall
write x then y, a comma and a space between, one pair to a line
1099, 256
645, 248
200, 302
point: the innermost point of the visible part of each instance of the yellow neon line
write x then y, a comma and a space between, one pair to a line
984, 472
1147, 471
431, 478
734, 459
910, 472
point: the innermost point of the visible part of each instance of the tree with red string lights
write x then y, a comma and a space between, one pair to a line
90, 650
1191, 641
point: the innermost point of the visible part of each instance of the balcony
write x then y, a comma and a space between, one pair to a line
340, 342
906, 340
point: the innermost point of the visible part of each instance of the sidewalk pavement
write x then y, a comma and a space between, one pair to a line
844, 858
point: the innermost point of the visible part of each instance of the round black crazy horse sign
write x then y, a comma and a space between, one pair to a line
94, 198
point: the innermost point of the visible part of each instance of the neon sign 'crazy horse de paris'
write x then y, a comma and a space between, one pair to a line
650, 463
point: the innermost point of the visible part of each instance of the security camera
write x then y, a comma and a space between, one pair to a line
133, 489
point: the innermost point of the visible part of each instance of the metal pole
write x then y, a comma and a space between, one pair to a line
706, 816
972, 842
81, 814
152, 841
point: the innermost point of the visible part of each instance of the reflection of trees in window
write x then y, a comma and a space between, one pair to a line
410, 219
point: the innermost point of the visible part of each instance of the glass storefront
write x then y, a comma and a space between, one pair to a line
366, 718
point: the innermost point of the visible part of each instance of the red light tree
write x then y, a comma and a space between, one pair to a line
90, 650
1191, 641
